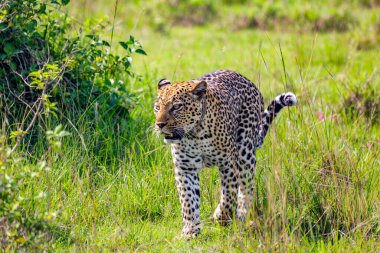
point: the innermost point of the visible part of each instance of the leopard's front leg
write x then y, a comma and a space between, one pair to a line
187, 162
187, 182
228, 196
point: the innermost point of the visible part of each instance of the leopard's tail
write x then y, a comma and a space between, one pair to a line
285, 99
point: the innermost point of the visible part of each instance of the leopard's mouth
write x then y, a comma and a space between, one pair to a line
172, 138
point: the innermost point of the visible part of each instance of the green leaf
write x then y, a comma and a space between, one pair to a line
93, 37
65, 2
105, 43
17, 133
13, 65
140, 51
124, 45
131, 39
38, 83
42, 9
15, 206
9, 49
49, 134
36, 74
20, 240
32, 26
52, 66
58, 129
56, 145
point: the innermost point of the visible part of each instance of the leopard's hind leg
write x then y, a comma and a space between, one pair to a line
246, 169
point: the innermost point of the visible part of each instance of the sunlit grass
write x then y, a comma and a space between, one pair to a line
317, 181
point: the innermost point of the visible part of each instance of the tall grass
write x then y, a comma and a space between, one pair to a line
318, 173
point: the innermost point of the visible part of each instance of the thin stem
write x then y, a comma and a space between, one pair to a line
113, 22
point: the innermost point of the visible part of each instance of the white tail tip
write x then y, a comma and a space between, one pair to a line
290, 99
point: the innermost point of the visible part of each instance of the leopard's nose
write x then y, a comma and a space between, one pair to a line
161, 124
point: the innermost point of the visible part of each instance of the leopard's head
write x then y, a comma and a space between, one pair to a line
178, 108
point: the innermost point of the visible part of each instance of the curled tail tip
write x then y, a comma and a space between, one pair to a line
290, 99
287, 99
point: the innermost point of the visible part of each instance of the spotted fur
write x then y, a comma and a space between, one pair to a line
218, 120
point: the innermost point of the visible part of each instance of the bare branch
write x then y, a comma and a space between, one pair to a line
21, 136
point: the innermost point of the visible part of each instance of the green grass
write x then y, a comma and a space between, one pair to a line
317, 182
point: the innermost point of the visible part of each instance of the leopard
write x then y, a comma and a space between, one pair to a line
217, 120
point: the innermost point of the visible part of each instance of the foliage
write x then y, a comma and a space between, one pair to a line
364, 101
22, 227
184, 13
263, 15
42, 63
49, 73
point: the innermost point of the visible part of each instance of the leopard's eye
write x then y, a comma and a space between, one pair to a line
156, 107
177, 106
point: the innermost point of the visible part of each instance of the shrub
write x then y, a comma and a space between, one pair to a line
21, 225
184, 13
363, 101
46, 71
48, 74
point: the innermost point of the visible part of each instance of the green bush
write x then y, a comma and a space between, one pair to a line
22, 225
46, 70
364, 101
185, 13
49, 74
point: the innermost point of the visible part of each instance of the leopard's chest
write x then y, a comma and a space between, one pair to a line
205, 152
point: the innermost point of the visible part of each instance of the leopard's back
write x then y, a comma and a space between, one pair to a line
239, 100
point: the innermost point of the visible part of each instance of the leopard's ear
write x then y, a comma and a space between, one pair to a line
199, 89
163, 82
